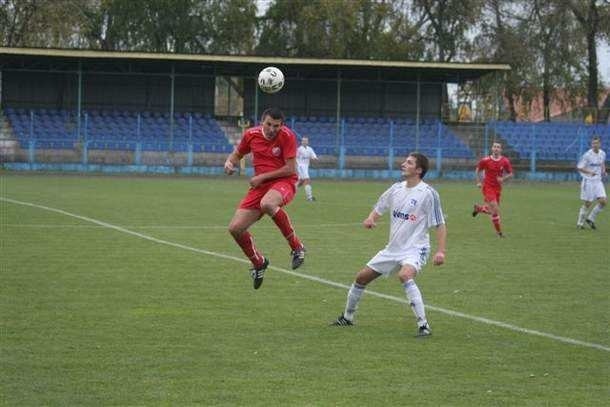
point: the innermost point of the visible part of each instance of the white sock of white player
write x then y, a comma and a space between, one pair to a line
596, 209
353, 298
581, 215
308, 193
416, 301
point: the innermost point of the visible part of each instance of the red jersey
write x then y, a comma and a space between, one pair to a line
269, 155
494, 168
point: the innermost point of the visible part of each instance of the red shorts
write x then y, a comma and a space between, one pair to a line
252, 200
491, 194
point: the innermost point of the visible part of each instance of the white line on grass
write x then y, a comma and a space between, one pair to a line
317, 279
179, 227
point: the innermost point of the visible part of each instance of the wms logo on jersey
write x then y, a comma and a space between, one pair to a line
404, 216
276, 151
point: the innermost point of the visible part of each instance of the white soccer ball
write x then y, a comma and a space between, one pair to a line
270, 80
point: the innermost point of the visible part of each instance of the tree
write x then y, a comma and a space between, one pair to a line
356, 29
41, 23
593, 16
15, 19
181, 26
554, 40
231, 26
503, 38
447, 23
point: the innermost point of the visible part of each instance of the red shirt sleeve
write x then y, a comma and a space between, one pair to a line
289, 144
509, 167
244, 145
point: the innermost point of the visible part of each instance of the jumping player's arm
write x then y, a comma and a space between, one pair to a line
286, 170
232, 162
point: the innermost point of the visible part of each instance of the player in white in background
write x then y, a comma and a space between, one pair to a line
414, 207
304, 155
592, 167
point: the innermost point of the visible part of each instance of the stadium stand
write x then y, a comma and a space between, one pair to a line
551, 141
360, 136
371, 136
118, 130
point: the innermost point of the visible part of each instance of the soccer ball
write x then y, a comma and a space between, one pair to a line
270, 80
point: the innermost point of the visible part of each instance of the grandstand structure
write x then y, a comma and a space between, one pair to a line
97, 111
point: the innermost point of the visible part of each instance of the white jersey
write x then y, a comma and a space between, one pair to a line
413, 212
304, 154
594, 162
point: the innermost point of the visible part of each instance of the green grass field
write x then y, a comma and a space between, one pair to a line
129, 291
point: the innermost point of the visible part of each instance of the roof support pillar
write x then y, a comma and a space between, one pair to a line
79, 98
338, 114
417, 113
172, 106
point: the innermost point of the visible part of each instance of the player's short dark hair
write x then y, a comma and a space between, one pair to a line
596, 138
274, 113
421, 161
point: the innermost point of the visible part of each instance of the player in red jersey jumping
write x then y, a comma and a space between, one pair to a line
497, 169
274, 148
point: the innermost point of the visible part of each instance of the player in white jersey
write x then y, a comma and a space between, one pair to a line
304, 155
414, 207
592, 167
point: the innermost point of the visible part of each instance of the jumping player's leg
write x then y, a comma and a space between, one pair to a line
272, 202
238, 227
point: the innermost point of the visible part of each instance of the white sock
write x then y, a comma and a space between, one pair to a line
581, 215
596, 209
308, 193
353, 298
416, 301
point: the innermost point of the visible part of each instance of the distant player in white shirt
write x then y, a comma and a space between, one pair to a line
592, 167
414, 207
304, 155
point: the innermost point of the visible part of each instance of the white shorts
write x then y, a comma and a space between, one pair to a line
592, 189
388, 263
303, 171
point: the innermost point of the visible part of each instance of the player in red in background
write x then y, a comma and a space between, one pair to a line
274, 149
497, 169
